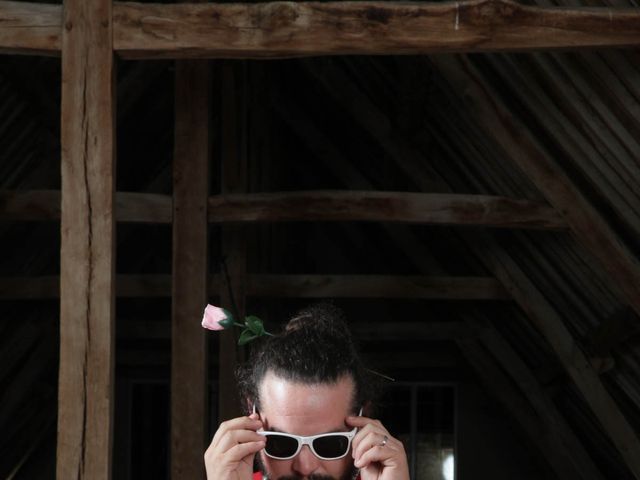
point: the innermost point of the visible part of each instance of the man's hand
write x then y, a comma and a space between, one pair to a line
376, 453
235, 444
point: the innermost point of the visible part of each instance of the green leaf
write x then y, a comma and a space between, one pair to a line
226, 323
228, 314
246, 336
254, 324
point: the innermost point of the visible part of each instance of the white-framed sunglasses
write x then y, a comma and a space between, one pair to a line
325, 446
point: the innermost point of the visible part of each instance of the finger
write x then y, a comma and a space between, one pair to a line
235, 437
371, 440
375, 454
243, 450
240, 423
368, 429
360, 422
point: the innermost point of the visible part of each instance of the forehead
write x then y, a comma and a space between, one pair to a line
305, 409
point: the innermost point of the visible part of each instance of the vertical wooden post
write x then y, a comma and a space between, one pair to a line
86, 377
190, 266
234, 244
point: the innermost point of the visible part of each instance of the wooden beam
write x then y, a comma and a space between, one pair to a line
86, 378
30, 28
189, 385
43, 205
286, 29
401, 207
447, 209
284, 286
553, 328
590, 228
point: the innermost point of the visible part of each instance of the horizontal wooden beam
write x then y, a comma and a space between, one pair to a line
284, 286
403, 207
36, 205
424, 208
291, 29
288, 29
30, 28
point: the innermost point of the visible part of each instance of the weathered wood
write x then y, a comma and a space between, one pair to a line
30, 28
552, 326
189, 383
374, 286
590, 229
447, 209
86, 378
35, 205
286, 29
402, 207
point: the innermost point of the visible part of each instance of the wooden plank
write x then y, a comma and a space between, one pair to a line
590, 229
400, 207
424, 208
286, 29
86, 378
37, 205
30, 28
189, 384
553, 328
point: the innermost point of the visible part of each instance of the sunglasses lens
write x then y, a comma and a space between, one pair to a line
331, 446
280, 446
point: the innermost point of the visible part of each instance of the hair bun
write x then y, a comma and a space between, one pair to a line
322, 319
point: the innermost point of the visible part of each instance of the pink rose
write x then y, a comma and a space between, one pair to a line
213, 316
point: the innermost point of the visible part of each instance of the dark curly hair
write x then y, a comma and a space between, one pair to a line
316, 346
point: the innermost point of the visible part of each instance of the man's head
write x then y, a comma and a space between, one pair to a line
305, 382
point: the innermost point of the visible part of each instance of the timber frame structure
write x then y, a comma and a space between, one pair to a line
89, 35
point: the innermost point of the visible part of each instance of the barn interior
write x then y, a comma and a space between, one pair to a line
476, 215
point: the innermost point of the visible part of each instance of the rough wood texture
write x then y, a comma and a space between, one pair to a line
35, 205
285, 29
30, 28
288, 29
86, 379
448, 209
190, 270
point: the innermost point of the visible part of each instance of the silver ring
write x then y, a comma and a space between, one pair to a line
384, 441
